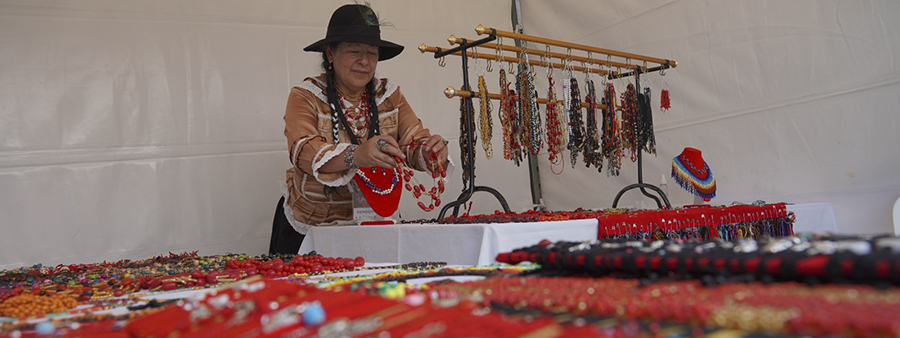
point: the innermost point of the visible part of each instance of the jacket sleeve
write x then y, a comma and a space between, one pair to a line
308, 148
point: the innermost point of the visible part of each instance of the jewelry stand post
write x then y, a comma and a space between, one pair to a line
640, 167
469, 130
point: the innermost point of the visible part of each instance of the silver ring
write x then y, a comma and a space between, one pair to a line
380, 143
446, 142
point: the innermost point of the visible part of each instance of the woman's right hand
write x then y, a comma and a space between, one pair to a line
378, 151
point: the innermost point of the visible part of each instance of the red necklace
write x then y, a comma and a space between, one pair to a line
358, 116
418, 189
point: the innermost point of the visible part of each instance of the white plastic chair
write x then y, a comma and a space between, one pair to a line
897, 217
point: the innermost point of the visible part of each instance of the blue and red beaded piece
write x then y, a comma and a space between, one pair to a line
371, 185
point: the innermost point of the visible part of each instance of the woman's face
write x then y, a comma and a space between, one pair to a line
354, 65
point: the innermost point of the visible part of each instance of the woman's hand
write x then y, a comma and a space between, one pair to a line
436, 145
378, 151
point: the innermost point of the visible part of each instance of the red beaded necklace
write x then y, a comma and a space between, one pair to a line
555, 130
418, 189
357, 117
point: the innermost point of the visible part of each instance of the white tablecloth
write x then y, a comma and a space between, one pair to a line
479, 244
472, 244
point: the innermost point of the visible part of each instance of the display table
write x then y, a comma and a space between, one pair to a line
479, 244
469, 244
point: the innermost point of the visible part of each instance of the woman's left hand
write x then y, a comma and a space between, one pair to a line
436, 145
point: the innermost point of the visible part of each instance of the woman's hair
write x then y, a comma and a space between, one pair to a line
331, 89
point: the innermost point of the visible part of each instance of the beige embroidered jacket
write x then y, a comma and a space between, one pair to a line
316, 198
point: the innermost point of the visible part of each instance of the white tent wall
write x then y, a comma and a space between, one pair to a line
790, 101
134, 128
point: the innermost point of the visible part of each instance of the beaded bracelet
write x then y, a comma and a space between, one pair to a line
348, 156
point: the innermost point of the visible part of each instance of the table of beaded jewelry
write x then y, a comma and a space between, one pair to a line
770, 287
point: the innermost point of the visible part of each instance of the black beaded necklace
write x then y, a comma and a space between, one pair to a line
592, 154
576, 138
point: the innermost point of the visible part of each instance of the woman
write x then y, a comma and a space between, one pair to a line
343, 119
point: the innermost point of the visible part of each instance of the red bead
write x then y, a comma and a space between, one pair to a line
152, 283
211, 277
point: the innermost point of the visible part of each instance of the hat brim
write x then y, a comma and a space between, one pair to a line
386, 49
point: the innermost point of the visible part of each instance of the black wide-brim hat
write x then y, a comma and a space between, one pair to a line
356, 23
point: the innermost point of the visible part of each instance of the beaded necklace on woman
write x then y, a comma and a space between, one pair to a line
357, 117
367, 107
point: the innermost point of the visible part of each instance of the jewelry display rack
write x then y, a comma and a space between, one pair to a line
469, 130
588, 66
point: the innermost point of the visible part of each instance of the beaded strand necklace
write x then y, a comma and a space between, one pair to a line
592, 154
567, 102
630, 123
534, 119
524, 115
576, 134
648, 139
357, 117
485, 123
555, 132
612, 144
465, 106
438, 174
509, 121
371, 185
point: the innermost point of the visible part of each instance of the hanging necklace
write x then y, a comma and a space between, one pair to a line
612, 145
466, 127
438, 174
648, 139
524, 116
537, 134
592, 155
630, 121
508, 121
485, 123
555, 131
576, 136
